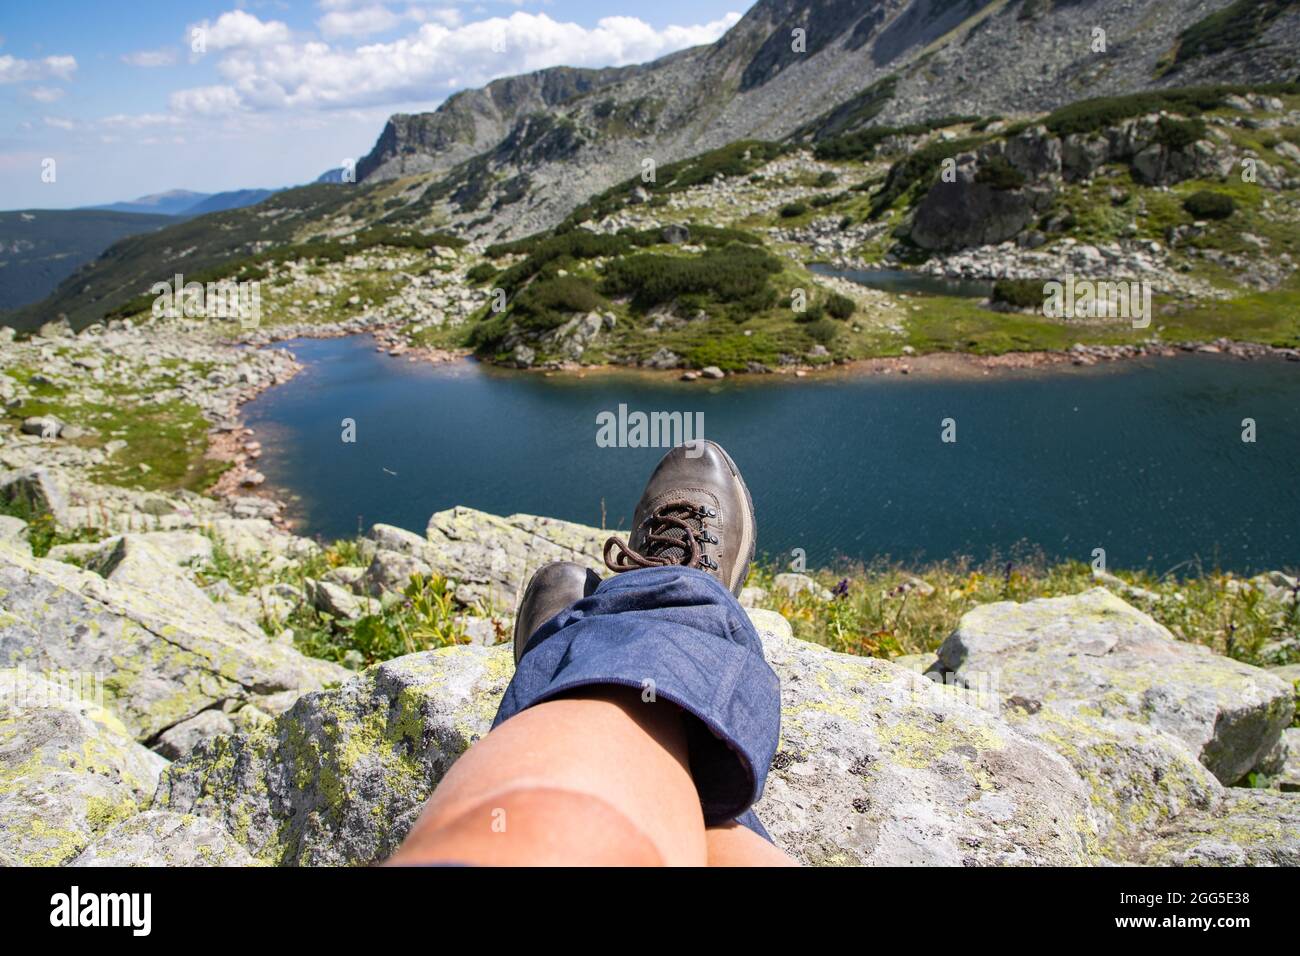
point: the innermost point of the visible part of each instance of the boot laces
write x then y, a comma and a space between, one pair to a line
675, 533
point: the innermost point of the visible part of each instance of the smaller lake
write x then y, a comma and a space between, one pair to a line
913, 283
1142, 458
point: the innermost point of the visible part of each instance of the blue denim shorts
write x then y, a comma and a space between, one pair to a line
680, 635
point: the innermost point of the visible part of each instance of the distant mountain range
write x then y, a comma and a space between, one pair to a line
39, 248
184, 202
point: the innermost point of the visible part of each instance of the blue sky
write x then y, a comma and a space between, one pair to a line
130, 98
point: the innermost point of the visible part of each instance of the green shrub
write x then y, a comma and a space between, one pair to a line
548, 303
481, 272
1019, 293
840, 306
790, 210
827, 179
1233, 27
1209, 205
736, 275
1087, 116
862, 143
997, 172
1176, 133
822, 331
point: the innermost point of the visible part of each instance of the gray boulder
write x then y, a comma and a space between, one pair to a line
392, 571
968, 212
68, 769
36, 492
175, 742
163, 653
876, 765
1093, 656
491, 558
1245, 828
159, 838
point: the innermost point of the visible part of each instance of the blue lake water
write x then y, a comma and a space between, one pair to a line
1144, 459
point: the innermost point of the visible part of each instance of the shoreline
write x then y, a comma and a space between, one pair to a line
235, 442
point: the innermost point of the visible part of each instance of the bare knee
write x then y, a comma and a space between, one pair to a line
532, 826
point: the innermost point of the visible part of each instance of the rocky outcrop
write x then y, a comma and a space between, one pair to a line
158, 838
160, 647
492, 558
1064, 731
1093, 656
876, 765
68, 769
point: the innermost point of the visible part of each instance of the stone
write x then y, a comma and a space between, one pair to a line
177, 741
12, 531
876, 765
675, 234
1245, 828
492, 558
161, 662
43, 426
1092, 655
752, 597
1281, 765
392, 571
160, 838
36, 492
335, 600
793, 585
68, 768
712, 371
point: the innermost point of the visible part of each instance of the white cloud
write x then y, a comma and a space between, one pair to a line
59, 123
139, 120
205, 100
14, 70
236, 30
358, 23
150, 58
371, 19
316, 75
45, 94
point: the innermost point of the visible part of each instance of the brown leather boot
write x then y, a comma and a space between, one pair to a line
552, 588
695, 512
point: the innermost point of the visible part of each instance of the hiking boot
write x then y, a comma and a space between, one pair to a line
551, 589
695, 512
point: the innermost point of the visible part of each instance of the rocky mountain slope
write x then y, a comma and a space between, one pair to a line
890, 61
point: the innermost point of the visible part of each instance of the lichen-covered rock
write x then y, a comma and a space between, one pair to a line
1245, 828
1092, 656
341, 776
160, 662
491, 558
178, 547
175, 742
68, 770
875, 765
36, 491
159, 838
1281, 765
881, 766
